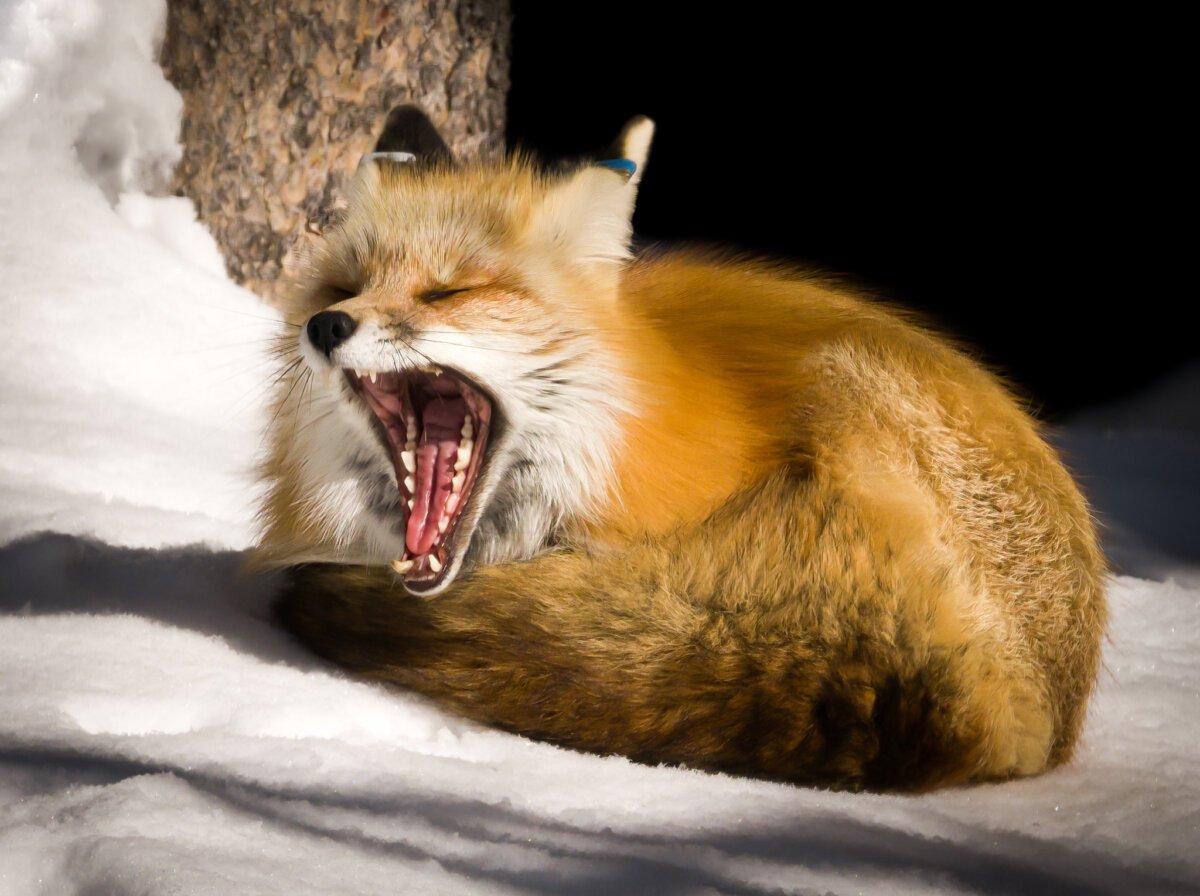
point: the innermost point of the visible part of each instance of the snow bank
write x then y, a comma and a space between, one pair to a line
159, 735
122, 328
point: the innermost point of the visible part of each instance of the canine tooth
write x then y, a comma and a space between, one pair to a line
402, 566
464, 455
410, 461
434, 563
456, 483
443, 524
410, 484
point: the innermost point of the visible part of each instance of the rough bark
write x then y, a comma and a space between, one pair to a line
282, 98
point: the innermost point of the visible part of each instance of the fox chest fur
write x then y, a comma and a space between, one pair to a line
676, 506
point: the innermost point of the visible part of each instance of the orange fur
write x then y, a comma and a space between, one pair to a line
828, 546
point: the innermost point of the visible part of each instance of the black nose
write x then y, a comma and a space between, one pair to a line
329, 329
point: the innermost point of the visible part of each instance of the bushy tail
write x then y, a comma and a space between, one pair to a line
668, 652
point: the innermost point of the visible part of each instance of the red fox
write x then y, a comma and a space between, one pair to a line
682, 507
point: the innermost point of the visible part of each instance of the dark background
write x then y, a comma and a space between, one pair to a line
966, 169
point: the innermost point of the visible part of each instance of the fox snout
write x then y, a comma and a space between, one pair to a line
329, 329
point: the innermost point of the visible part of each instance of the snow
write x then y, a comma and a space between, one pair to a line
158, 734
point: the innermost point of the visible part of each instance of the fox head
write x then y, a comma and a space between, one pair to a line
453, 393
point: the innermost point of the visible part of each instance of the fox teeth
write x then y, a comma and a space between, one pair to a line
410, 503
410, 461
464, 455
468, 430
456, 483
434, 563
443, 524
410, 484
402, 566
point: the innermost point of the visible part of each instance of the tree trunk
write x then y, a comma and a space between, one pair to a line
282, 98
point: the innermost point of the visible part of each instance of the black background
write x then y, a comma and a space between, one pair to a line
965, 169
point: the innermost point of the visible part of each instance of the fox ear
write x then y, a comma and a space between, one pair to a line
589, 214
632, 146
409, 137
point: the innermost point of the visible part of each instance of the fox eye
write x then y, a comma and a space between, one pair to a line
333, 294
436, 295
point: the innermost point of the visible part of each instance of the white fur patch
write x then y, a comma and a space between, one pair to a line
552, 460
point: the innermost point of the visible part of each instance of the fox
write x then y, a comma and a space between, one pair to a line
694, 508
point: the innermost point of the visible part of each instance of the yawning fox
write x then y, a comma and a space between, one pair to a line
675, 505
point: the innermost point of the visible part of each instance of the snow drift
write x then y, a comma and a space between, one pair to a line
123, 330
159, 735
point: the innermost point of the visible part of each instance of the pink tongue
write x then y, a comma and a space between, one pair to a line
442, 422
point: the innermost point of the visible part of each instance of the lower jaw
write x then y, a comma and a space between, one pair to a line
406, 405
426, 579
429, 572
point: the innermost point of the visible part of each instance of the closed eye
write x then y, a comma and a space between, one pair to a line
332, 294
436, 295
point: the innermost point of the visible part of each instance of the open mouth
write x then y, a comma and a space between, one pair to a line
436, 426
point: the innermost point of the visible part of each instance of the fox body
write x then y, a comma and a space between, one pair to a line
725, 513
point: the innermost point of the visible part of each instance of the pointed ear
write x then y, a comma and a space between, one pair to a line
632, 145
410, 137
588, 216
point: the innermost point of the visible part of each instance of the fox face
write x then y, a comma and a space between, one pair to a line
457, 387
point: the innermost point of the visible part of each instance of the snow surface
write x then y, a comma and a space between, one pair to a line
159, 735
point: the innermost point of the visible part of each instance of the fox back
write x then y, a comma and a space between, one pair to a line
675, 505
